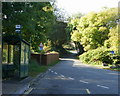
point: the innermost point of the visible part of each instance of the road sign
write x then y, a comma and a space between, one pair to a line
112, 52
41, 46
18, 26
17, 31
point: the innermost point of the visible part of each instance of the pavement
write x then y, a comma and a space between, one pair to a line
13, 86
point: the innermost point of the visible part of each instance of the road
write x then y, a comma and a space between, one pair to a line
70, 76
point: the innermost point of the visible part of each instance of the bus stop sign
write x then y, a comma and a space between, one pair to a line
41, 46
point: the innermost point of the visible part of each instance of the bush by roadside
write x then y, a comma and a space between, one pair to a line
99, 56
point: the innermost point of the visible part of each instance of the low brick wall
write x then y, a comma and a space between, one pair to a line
46, 59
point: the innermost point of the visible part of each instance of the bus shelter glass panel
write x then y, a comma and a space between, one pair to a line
22, 65
16, 60
7, 60
5, 53
26, 59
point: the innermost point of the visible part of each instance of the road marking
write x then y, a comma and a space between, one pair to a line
62, 76
51, 71
103, 86
28, 91
71, 78
56, 73
88, 91
83, 81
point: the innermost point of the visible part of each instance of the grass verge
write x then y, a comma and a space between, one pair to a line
104, 67
113, 69
35, 68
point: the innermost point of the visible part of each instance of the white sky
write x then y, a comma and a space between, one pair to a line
85, 6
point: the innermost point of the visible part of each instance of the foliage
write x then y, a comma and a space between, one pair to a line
99, 56
76, 36
93, 28
113, 41
47, 46
36, 20
58, 34
68, 46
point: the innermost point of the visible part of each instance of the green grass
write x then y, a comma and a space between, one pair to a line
35, 68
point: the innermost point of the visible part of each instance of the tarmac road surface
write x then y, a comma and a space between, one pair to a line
70, 76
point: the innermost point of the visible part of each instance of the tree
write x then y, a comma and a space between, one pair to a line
113, 41
94, 28
58, 34
36, 20
74, 34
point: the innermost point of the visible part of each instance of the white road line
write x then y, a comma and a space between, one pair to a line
62, 76
83, 81
71, 78
55, 72
28, 91
88, 91
51, 71
103, 86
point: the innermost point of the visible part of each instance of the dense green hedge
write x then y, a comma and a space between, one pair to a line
100, 56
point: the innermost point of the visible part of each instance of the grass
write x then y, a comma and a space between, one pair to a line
35, 68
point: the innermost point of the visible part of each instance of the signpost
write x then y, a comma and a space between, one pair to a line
18, 27
41, 48
112, 52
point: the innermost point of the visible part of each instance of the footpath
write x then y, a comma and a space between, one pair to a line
18, 87
13, 86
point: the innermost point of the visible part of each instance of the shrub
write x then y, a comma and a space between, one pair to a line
47, 46
99, 56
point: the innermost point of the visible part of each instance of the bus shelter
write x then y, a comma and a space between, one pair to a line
15, 57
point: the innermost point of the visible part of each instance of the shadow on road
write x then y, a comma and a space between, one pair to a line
71, 55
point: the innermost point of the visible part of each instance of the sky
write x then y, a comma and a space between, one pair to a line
85, 6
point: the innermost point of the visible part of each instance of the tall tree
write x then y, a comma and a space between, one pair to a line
36, 20
93, 28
